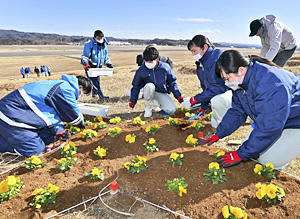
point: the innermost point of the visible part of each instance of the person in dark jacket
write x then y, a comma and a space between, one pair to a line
270, 96
214, 92
158, 81
37, 71
95, 54
33, 115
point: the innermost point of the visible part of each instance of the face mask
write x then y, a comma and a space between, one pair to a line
81, 93
197, 57
233, 85
151, 65
100, 41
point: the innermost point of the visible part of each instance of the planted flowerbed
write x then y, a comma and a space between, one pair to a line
173, 176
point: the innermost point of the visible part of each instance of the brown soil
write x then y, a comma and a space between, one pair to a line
203, 200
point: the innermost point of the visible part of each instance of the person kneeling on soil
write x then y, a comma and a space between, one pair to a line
33, 115
270, 96
214, 91
158, 80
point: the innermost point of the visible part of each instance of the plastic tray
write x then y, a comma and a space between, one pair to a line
94, 72
93, 109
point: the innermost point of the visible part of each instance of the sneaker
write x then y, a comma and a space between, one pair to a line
164, 113
148, 112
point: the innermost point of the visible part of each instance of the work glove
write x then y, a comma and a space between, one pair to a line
201, 110
109, 65
86, 66
131, 105
229, 159
180, 99
212, 139
193, 101
62, 136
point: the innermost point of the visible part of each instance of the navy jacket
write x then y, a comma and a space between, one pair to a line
162, 77
210, 83
270, 96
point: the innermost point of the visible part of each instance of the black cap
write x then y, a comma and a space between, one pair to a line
254, 26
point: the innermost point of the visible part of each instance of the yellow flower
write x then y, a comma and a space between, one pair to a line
245, 216
187, 114
181, 155
4, 187
194, 124
53, 188
221, 153
128, 137
136, 165
72, 144
257, 168
101, 152
148, 128
127, 165
182, 108
271, 190
270, 165
96, 172
260, 193
174, 156
151, 141
73, 152
182, 190
37, 191
11, 180
215, 172
132, 140
37, 197
238, 212
75, 159
214, 165
98, 118
141, 158
67, 147
38, 206
155, 126
258, 185
36, 161
225, 211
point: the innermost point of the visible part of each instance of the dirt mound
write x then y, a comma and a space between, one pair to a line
185, 70
203, 199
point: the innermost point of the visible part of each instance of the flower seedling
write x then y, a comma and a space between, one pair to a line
98, 119
115, 120
189, 115
69, 150
173, 121
113, 132
88, 123
34, 162
130, 138
138, 121
100, 125
88, 133
175, 159
191, 140
219, 153
44, 197
184, 109
271, 193
265, 171
197, 125
137, 165
208, 117
230, 212
74, 130
9, 187
151, 145
214, 173
95, 173
100, 152
177, 185
152, 129
65, 164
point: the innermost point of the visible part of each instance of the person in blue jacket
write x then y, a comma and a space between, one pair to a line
270, 96
95, 54
22, 71
214, 92
32, 116
158, 80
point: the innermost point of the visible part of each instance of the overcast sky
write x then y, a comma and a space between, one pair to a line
221, 21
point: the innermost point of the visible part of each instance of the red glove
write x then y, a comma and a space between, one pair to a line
193, 101
180, 99
86, 66
229, 159
62, 136
201, 110
212, 139
131, 105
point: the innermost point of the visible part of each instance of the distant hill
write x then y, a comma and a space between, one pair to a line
13, 37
